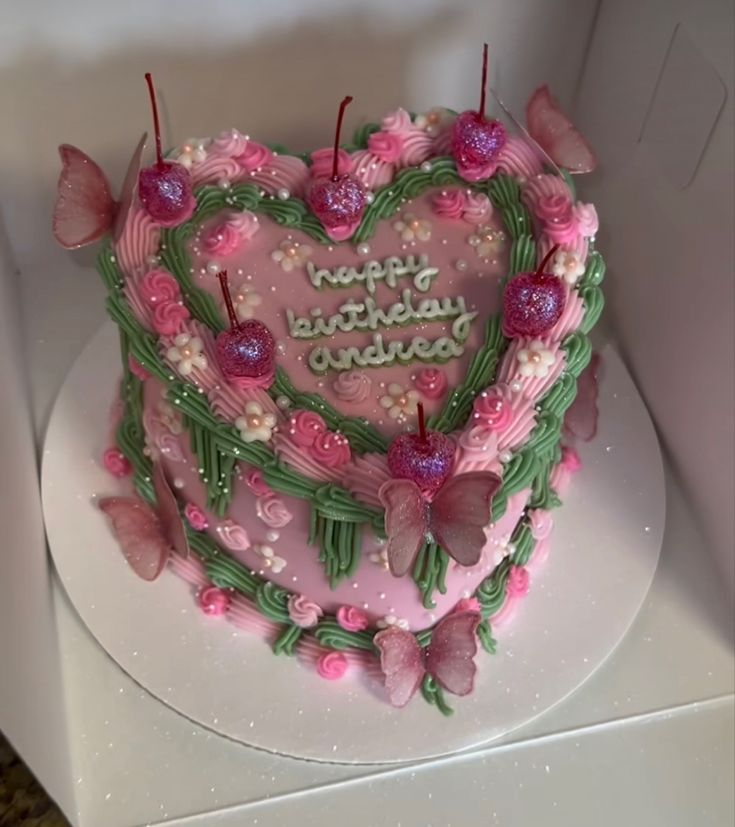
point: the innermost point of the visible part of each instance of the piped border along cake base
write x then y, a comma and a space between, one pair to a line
604, 552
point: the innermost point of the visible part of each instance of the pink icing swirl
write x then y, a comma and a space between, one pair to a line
493, 409
449, 203
233, 536
214, 601
352, 619
272, 511
586, 217
230, 143
255, 482
322, 161
254, 157
431, 383
305, 427
169, 317
541, 523
468, 604
386, 145
518, 582
227, 236
331, 665
331, 449
398, 121
158, 286
137, 369
557, 215
115, 463
303, 612
479, 439
196, 518
479, 172
352, 386
478, 208
418, 146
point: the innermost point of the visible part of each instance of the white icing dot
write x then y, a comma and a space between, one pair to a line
284, 194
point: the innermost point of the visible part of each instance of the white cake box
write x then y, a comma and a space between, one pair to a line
650, 84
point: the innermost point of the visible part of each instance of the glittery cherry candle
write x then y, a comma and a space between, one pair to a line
533, 302
164, 189
476, 140
339, 200
247, 349
426, 458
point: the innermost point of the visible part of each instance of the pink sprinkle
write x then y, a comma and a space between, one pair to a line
331, 665
214, 601
196, 517
116, 463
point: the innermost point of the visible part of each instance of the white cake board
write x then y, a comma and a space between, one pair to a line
582, 601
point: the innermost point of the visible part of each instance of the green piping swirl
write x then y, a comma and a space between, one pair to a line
434, 695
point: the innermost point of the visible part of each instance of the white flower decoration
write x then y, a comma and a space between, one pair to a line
535, 359
411, 228
255, 425
246, 301
186, 354
400, 403
270, 559
290, 254
169, 418
380, 558
487, 241
432, 121
568, 266
392, 620
192, 152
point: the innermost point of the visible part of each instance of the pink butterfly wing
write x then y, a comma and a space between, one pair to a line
460, 512
556, 134
168, 513
405, 523
402, 663
450, 657
580, 420
84, 208
129, 188
139, 533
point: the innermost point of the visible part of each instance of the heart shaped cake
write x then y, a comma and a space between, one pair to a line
345, 381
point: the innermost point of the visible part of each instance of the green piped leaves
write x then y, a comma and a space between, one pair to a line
429, 572
433, 694
339, 545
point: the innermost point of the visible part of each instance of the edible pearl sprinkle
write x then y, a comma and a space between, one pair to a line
213, 268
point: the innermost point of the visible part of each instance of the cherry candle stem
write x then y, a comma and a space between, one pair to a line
156, 124
345, 101
422, 422
546, 259
484, 81
222, 276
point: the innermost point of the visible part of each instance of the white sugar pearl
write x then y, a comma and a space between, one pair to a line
213, 268
426, 166
283, 194
272, 535
223, 184
178, 482
516, 387
363, 249
505, 456
370, 197
283, 403
460, 265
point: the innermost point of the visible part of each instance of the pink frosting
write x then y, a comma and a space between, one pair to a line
468, 604
371, 170
247, 383
230, 143
480, 172
386, 145
449, 203
228, 235
254, 157
137, 369
272, 511
493, 409
570, 459
477, 443
233, 536
557, 215
352, 619
519, 159
116, 463
541, 523
196, 518
322, 161
586, 218
431, 382
158, 286
303, 612
398, 121
169, 317
518, 582
255, 482
214, 601
305, 427
331, 449
331, 665
478, 208
352, 386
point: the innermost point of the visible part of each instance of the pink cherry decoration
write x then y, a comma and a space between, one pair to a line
164, 189
425, 458
338, 200
533, 302
248, 348
477, 140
